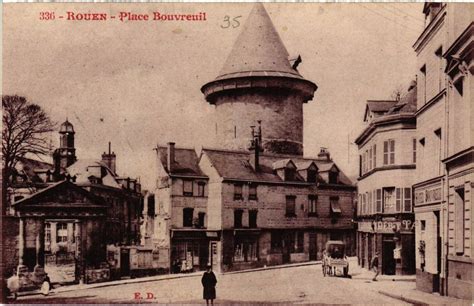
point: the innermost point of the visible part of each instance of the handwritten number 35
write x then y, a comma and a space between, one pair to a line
230, 22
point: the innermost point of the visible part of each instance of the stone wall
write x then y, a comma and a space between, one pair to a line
280, 111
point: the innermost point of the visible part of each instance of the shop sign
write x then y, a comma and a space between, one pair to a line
386, 227
428, 196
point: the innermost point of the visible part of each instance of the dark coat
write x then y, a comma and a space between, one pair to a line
209, 282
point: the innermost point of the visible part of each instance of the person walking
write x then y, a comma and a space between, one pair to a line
375, 265
209, 282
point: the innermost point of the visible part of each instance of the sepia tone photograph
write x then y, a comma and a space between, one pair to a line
237, 153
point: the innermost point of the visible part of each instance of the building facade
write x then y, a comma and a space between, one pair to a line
387, 154
254, 200
459, 161
444, 169
120, 211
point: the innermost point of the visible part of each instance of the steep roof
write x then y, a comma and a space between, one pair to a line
236, 165
258, 50
407, 103
80, 169
186, 162
378, 106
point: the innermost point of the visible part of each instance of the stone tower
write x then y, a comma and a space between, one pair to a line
258, 82
65, 155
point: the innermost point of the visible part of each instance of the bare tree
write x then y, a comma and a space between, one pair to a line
24, 127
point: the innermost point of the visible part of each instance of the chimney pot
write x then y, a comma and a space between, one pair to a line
171, 157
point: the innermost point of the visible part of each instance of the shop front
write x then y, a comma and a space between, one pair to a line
393, 239
191, 249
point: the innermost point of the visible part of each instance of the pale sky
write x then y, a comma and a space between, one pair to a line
138, 83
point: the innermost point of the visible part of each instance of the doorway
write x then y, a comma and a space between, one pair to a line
124, 262
388, 262
313, 252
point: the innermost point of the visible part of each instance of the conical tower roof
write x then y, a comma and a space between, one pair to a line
258, 50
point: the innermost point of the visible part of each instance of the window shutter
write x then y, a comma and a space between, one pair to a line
407, 200
370, 202
375, 156
392, 152
385, 152
398, 201
414, 150
379, 200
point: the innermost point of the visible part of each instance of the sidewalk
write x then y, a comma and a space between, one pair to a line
157, 278
403, 288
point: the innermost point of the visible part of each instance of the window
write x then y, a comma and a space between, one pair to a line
407, 200
61, 232
238, 213
389, 152
201, 186
253, 192
47, 237
360, 165
312, 200
333, 177
253, 218
388, 199
459, 210
414, 150
379, 201
245, 250
188, 188
290, 206
312, 175
290, 174
335, 207
367, 161
188, 217
201, 218
237, 191
374, 156
151, 206
423, 225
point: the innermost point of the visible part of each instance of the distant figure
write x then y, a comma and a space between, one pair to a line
375, 265
209, 282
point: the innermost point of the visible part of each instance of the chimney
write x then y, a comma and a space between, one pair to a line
324, 154
110, 159
255, 146
170, 160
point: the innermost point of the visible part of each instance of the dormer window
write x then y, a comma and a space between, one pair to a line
290, 174
312, 175
333, 177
